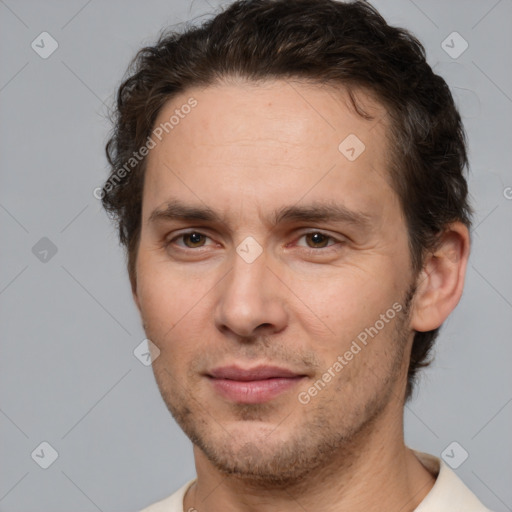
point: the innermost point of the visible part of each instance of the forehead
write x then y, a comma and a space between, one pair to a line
269, 140
281, 110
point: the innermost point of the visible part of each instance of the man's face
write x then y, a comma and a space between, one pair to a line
262, 282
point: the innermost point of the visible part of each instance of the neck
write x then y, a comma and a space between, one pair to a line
376, 472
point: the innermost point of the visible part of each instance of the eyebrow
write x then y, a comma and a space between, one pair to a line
315, 212
176, 210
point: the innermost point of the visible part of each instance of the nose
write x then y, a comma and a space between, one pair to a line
251, 300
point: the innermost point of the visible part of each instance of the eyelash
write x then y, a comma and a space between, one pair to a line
309, 250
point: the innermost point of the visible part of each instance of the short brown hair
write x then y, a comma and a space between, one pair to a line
327, 42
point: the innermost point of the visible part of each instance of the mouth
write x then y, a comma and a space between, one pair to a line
254, 385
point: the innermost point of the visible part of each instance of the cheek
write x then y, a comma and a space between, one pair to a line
157, 305
348, 324
160, 287
173, 310
161, 307
348, 300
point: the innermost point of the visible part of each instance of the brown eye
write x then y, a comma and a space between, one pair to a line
195, 239
189, 244
317, 240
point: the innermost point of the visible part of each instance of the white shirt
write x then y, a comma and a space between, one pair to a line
449, 493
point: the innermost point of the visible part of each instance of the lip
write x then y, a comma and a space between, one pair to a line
252, 385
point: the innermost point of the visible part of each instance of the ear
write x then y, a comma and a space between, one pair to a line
441, 281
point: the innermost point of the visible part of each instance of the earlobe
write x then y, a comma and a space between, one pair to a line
440, 283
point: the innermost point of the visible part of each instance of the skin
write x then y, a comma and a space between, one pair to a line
245, 151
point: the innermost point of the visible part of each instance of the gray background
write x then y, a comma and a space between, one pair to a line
68, 375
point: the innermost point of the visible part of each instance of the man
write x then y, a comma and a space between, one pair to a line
288, 183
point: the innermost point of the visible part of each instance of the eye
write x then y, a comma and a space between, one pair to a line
191, 240
317, 240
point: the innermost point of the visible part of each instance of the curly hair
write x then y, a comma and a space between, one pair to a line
342, 44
